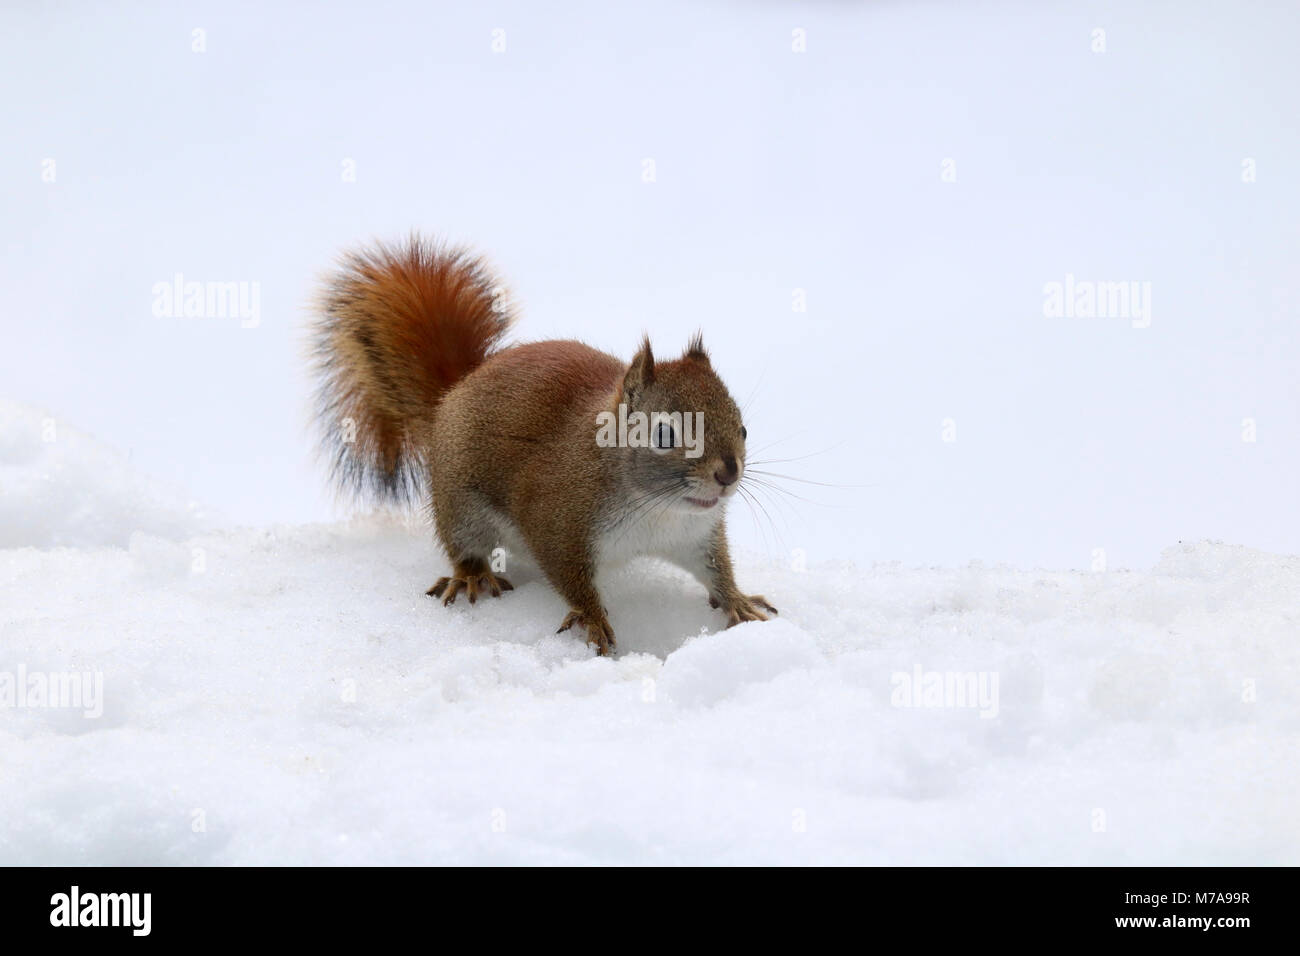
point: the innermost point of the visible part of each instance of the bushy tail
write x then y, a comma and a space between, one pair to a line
397, 327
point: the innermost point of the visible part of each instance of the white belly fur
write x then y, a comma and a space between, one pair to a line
676, 536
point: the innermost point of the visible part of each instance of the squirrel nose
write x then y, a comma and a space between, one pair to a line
728, 474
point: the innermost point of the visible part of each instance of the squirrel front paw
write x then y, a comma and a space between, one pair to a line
598, 630
740, 608
473, 583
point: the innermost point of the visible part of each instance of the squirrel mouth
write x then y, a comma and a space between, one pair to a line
702, 502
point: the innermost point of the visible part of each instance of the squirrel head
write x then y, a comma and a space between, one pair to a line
692, 449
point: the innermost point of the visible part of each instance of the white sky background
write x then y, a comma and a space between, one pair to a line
775, 171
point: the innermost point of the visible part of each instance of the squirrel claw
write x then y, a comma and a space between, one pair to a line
599, 633
755, 607
494, 583
484, 582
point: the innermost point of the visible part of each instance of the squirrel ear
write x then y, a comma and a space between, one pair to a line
695, 348
642, 370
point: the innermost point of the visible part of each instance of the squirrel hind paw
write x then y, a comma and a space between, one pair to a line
483, 582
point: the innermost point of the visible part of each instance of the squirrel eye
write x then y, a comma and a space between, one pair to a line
743, 432
663, 437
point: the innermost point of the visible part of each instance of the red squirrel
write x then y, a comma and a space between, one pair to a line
515, 446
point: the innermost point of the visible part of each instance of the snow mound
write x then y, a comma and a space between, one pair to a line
62, 487
289, 695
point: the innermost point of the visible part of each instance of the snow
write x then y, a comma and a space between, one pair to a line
62, 486
289, 695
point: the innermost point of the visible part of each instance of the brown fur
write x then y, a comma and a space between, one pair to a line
399, 326
408, 349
